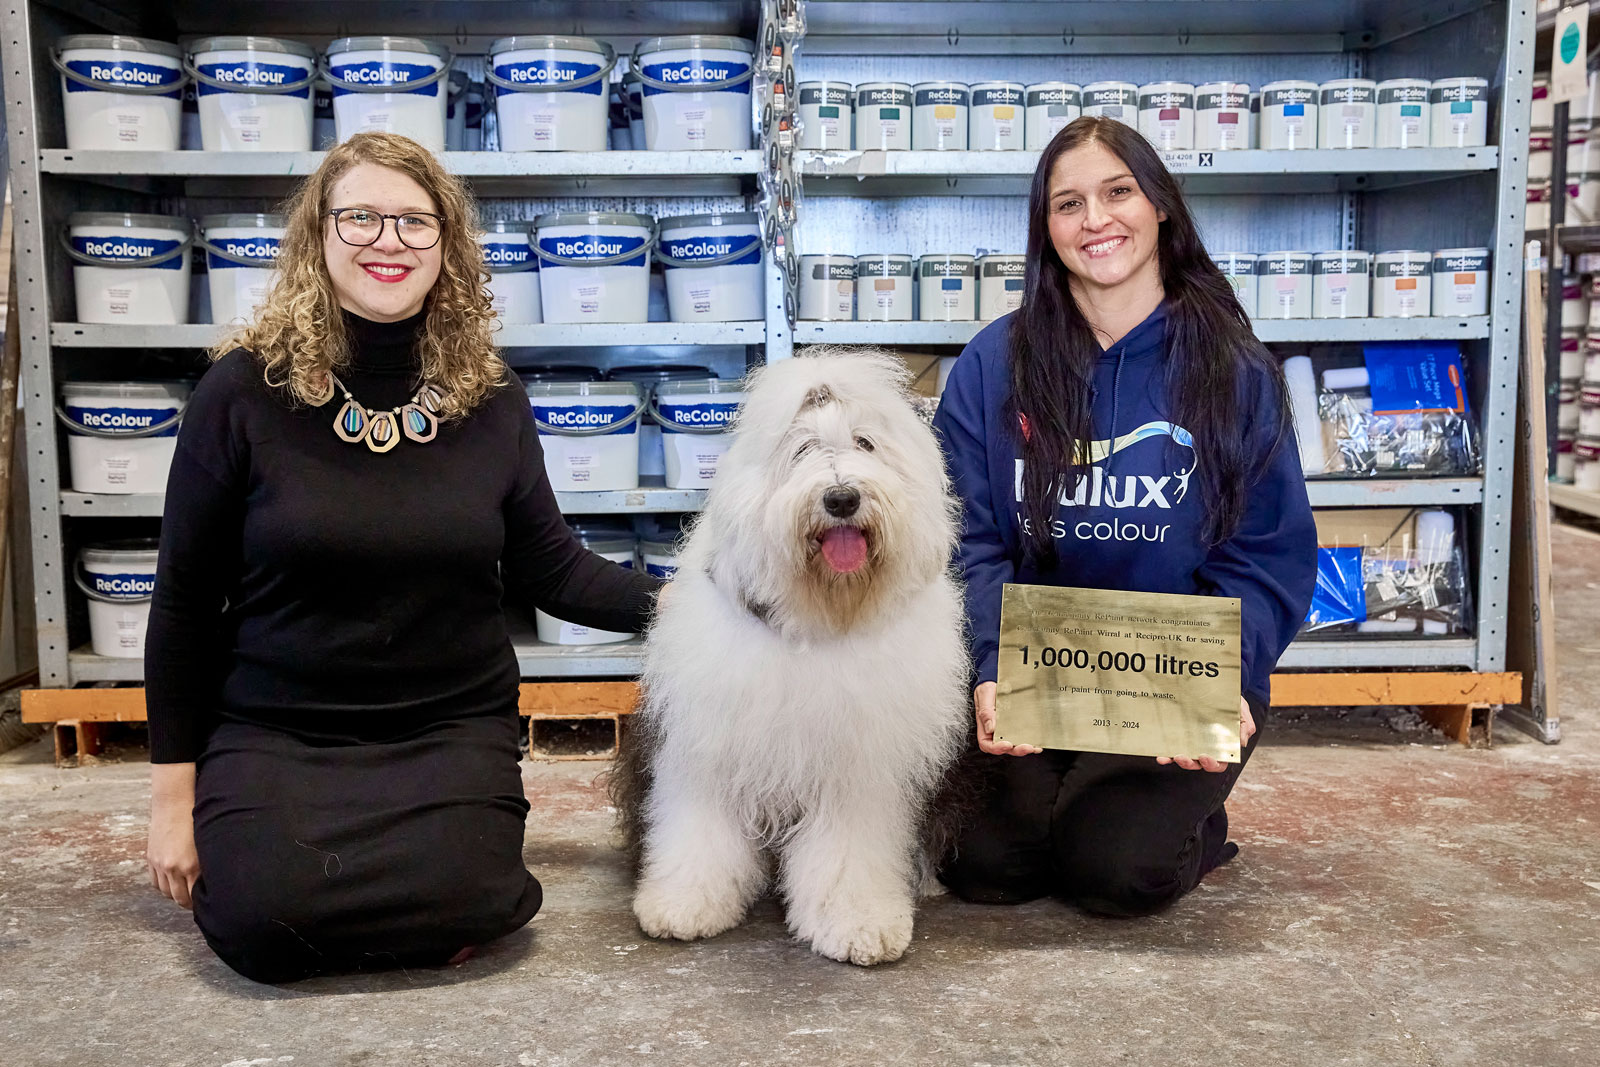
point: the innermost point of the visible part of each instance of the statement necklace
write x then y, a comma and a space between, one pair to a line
381, 430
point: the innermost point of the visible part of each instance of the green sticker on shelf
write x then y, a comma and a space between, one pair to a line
1569, 43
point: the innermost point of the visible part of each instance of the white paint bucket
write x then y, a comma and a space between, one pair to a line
389, 85
947, 288
883, 116
1050, 106
1166, 115
1289, 115
827, 115
696, 91
1112, 100
618, 546
1573, 356
998, 117
713, 267
1002, 279
660, 559
1403, 120
590, 433
1401, 287
120, 435
1283, 285
1460, 112
1222, 120
120, 92
241, 263
551, 92
883, 288
594, 266
129, 269
513, 271
118, 578
694, 417
939, 117
1586, 472
1540, 156
827, 288
1240, 270
648, 376
1340, 285
254, 93
1461, 284
1347, 113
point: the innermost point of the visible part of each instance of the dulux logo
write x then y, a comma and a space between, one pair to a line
1096, 489
130, 586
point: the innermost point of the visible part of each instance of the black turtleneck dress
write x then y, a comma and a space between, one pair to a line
327, 644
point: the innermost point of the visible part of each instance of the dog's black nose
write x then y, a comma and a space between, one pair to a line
841, 501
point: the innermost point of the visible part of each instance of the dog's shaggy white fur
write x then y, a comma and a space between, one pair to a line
804, 692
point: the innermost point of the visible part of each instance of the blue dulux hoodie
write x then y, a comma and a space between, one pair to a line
1136, 521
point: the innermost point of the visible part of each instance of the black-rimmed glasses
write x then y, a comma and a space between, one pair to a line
361, 226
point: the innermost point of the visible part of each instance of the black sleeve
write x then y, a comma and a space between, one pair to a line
544, 566
202, 533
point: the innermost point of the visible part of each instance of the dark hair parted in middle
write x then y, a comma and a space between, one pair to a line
1208, 335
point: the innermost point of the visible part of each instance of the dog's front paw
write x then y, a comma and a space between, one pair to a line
863, 939
684, 916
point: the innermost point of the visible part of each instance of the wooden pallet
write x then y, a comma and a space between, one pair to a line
584, 720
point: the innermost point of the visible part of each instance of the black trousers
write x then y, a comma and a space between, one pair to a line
324, 858
1115, 835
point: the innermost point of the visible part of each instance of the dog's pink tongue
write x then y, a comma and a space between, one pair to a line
845, 549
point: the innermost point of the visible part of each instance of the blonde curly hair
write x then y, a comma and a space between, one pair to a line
298, 333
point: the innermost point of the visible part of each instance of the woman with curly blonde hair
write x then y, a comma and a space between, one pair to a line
332, 695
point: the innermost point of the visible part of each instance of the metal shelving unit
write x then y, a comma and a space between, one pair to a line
1317, 199
921, 201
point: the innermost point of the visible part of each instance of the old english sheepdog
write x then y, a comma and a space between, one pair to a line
804, 688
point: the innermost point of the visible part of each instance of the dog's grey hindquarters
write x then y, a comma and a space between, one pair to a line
629, 779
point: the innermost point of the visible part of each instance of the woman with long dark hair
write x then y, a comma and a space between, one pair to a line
1124, 429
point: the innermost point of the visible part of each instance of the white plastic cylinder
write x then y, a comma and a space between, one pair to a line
883, 288
1222, 120
1302, 383
412, 98
947, 288
1283, 285
1402, 284
241, 263
118, 579
103, 115
1112, 100
121, 435
827, 288
1166, 115
883, 116
827, 115
1240, 270
551, 93
692, 458
240, 115
1050, 106
1459, 108
713, 267
660, 559
1288, 115
618, 547
1460, 284
513, 271
594, 266
109, 290
580, 452
679, 113
1002, 280
1340, 285
939, 116
997, 119
1347, 113
1403, 118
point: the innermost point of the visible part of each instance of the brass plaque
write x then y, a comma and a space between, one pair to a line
1106, 670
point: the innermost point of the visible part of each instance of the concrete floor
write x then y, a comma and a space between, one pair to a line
1398, 901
